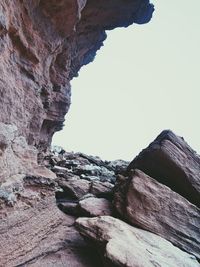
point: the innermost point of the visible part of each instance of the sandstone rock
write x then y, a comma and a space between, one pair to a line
101, 189
144, 202
75, 188
16, 156
35, 233
43, 44
171, 161
69, 208
93, 206
126, 246
42, 47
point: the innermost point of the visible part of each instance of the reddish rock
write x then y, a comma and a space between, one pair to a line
75, 188
34, 232
144, 202
171, 161
102, 189
43, 44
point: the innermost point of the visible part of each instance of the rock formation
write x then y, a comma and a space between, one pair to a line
171, 161
156, 208
43, 44
34, 232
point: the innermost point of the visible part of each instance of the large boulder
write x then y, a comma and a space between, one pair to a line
125, 246
171, 161
146, 203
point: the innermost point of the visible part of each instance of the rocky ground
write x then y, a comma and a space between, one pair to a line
106, 213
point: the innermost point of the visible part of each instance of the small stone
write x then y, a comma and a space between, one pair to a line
93, 206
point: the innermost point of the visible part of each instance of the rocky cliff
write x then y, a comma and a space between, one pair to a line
43, 44
71, 209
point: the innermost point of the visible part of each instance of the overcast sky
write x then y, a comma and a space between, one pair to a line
145, 79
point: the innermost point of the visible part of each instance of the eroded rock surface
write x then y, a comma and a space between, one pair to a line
17, 158
144, 202
43, 44
34, 232
171, 161
93, 207
126, 246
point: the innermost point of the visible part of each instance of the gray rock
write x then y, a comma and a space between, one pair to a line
126, 246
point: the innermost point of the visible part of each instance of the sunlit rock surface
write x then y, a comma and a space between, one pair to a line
126, 246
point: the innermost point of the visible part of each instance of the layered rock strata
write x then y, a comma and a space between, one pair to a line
43, 44
34, 232
155, 207
171, 161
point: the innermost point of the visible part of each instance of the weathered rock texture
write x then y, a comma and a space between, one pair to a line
34, 232
43, 44
17, 157
144, 202
126, 246
93, 207
171, 161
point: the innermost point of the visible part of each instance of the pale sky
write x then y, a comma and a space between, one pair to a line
145, 79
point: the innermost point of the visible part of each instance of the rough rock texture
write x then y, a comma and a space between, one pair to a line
144, 202
43, 44
79, 175
86, 182
126, 246
171, 161
35, 233
93, 207
16, 157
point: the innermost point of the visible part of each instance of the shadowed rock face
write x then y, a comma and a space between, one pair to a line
171, 161
43, 44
